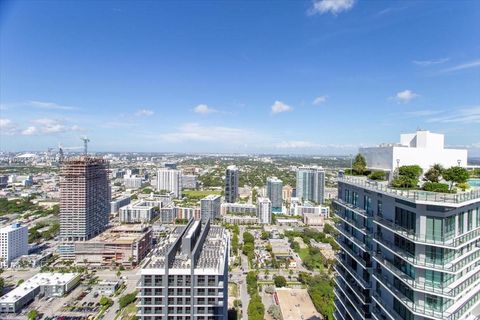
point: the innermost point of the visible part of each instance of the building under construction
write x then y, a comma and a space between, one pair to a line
84, 200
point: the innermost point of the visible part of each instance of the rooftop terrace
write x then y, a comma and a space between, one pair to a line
414, 194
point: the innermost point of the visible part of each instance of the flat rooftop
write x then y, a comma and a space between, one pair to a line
40, 279
124, 234
296, 304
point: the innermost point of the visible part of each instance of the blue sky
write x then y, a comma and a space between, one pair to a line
320, 77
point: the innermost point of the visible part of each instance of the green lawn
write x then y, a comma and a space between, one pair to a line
303, 253
198, 194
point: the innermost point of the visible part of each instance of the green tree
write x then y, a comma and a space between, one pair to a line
105, 302
280, 281
2, 284
256, 309
252, 286
125, 300
32, 315
407, 176
455, 175
265, 235
434, 173
359, 164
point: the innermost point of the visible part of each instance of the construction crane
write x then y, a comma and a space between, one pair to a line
61, 149
85, 143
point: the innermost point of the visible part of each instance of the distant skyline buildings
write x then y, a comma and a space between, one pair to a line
311, 184
274, 193
231, 184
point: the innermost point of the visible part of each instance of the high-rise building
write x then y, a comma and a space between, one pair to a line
170, 180
132, 181
287, 193
210, 207
311, 184
84, 198
274, 193
264, 210
231, 184
186, 276
13, 243
406, 254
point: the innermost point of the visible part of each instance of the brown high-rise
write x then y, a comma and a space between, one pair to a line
84, 198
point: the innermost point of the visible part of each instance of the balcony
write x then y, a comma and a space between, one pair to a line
357, 257
413, 195
352, 223
351, 282
353, 313
354, 301
351, 207
350, 237
451, 266
417, 309
353, 273
382, 310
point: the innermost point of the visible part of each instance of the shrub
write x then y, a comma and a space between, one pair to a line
463, 185
127, 299
280, 281
436, 187
377, 175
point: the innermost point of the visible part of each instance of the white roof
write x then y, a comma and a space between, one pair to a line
40, 279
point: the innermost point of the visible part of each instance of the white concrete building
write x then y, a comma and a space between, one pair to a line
238, 209
13, 243
264, 210
47, 284
119, 202
170, 180
141, 211
422, 148
132, 182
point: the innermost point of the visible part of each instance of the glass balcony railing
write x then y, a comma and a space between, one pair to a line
449, 241
351, 282
381, 309
353, 273
423, 310
356, 256
451, 265
413, 195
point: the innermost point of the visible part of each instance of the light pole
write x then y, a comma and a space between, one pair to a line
458, 162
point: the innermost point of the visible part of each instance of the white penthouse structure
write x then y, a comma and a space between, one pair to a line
422, 148
13, 243
186, 276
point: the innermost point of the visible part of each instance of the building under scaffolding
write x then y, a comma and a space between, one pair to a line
84, 200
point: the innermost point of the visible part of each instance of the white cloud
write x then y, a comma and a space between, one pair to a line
468, 65
426, 63
333, 6
7, 127
405, 96
422, 113
319, 100
466, 115
48, 126
197, 132
279, 107
29, 131
204, 109
49, 105
144, 113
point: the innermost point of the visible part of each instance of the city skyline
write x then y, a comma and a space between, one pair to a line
237, 78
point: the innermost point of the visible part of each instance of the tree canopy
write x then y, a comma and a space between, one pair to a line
456, 175
359, 164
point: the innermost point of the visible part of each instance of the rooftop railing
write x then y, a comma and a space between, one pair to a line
412, 194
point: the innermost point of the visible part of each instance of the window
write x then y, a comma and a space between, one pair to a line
470, 220
405, 219
380, 208
404, 244
461, 222
434, 302
403, 312
367, 204
434, 229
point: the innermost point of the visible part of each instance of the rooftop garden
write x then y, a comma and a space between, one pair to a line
435, 179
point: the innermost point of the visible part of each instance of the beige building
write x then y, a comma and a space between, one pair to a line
124, 245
